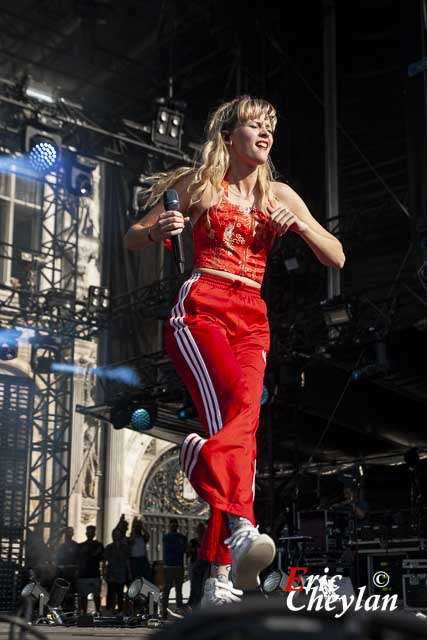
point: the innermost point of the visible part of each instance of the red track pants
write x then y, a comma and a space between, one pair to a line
217, 335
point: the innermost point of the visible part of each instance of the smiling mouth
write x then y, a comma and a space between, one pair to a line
262, 145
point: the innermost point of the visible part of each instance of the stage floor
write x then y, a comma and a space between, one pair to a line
107, 633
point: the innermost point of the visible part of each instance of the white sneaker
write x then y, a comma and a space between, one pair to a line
251, 552
219, 591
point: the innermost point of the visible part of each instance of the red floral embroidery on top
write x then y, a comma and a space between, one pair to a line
230, 238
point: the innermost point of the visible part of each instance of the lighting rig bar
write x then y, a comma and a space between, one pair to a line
147, 300
77, 325
166, 427
69, 113
156, 372
304, 327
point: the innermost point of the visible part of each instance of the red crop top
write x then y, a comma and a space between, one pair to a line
231, 238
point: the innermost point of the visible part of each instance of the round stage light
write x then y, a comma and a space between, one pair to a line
83, 185
272, 582
28, 589
141, 420
135, 589
44, 154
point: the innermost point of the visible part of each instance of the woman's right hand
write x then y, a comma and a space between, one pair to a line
169, 223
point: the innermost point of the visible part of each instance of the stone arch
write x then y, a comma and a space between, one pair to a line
142, 453
166, 493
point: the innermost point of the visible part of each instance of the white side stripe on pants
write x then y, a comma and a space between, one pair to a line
190, 452
187, 449
193, 357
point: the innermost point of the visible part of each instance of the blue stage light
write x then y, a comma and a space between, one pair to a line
42, 148
44, 155
142, 420
186, 412
136, 414
265, 396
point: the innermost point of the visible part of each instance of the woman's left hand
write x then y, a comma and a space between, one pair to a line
284, 220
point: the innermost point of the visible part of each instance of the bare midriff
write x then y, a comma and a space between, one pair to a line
228, 276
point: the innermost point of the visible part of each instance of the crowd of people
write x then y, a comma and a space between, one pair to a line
85, 565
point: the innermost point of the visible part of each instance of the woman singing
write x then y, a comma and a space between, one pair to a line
217, 333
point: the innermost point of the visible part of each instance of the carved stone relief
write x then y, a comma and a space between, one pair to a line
166, 491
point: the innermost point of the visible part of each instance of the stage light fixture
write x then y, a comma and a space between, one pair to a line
143, 418
120, 416
98, 299
379, 367
35, 590
9, 347
37, 594
39, 91
133, 414
187, 412
45, 351
335, 312
275, 582
187, 409
146, 592
78, 176
167, 127
351, 475
60, 302
43, 149
58, 592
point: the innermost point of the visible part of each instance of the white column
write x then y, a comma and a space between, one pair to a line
75, 504
114, 500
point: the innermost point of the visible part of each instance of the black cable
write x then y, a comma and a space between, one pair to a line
334, 410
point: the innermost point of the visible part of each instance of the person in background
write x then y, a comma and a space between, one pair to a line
40, 563
139, 563
198, 569
67, 559
122, 527
117, 570
91, 553
174, 546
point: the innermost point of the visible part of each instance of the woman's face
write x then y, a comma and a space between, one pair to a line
251, 141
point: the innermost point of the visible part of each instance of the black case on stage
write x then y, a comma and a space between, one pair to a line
414, 583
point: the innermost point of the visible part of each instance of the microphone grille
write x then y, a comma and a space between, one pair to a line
171, 198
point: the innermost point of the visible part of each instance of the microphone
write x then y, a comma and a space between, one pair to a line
171, 203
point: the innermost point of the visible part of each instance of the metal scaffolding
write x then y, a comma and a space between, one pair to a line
16, 398
53, 398
35, 460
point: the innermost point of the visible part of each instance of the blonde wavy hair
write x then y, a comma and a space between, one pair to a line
215, 155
